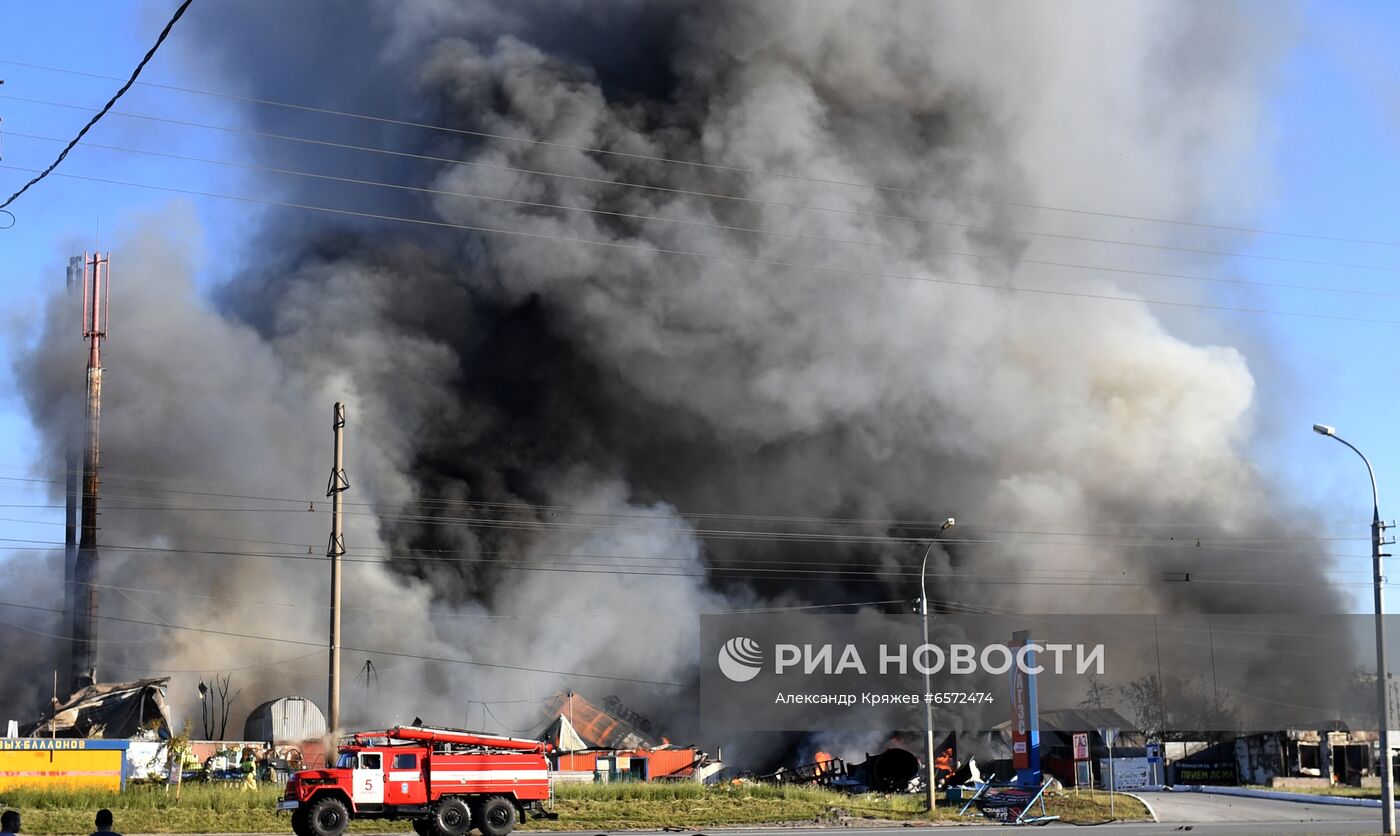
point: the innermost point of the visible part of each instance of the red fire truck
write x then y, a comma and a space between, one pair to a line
447, 781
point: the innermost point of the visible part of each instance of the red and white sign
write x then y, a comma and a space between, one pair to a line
1081, 746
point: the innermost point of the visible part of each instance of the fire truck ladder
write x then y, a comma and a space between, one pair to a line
460, 737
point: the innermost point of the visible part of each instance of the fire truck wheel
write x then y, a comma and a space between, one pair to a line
328, 817
301, 823
451, 817
496, 816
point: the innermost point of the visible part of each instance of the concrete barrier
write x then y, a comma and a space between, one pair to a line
1276, 795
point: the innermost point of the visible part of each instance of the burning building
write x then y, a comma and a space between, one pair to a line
592, 743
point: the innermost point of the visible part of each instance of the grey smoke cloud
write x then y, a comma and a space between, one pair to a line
651, 386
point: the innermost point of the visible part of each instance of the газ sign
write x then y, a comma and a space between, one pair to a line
1081, 746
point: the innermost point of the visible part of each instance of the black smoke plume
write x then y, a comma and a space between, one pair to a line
563, 451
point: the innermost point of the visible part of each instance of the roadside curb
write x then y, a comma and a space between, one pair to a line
1150, 811
1275, 795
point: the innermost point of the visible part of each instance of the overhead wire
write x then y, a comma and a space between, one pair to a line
1184, 542
736, 572
750, 230
377, 510
737, 259
712, 166
509, 729
145, 59
1092, 538
394, 653
638, 513
1020, 537
914, 250
44, 654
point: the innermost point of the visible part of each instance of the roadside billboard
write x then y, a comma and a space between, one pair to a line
62, 762
1205, 773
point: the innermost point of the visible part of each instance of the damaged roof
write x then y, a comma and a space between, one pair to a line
109, 710
579, 724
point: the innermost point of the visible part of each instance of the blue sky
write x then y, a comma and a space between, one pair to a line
1334, 142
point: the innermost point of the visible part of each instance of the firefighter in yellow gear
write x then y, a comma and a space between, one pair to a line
249, 768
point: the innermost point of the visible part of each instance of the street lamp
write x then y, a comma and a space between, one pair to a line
1387, 779
928, 689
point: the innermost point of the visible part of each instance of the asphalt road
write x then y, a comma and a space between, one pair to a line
1207, 807
1227, 828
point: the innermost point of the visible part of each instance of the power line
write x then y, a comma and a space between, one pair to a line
38, 580
1115, 540
150, 53
430, 556
1125, 539
399, 654
506, 728
717, 166
855, 538
521, 505
626, 184
1185, 541
1119, 538
1118, 541
48, 655
765, 262
750, 230
747, 571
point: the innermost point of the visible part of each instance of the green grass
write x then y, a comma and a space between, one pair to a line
621, 806
202, 808
206, 808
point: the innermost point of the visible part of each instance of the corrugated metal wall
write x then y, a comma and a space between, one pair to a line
671, 762
287, 719
661, 763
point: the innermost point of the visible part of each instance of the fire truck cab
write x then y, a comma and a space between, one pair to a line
447, 781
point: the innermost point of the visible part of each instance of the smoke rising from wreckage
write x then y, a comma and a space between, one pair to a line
530, 415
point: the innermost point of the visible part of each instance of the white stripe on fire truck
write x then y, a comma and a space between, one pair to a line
491, 775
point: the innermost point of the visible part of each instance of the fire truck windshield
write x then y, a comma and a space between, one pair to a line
345, 761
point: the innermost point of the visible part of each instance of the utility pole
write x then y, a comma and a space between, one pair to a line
1378, 541
335, 489
84, 664
76, 270
930, 756
1387, 764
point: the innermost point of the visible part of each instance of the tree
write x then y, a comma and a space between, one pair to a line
176, 753
1196, 711
1097, 693
1143, 701
215, 705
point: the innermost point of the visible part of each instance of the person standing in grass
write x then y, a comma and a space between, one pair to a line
104, 824
249, 768
9, 823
